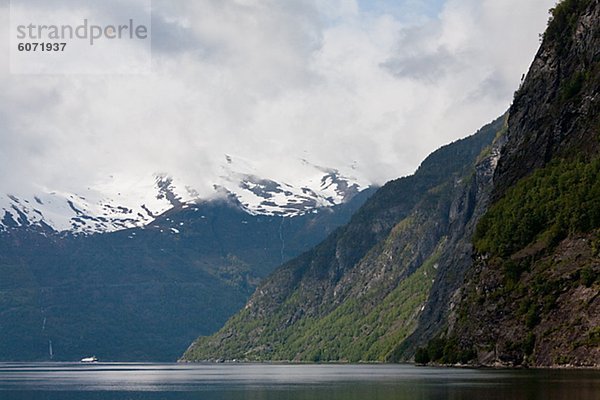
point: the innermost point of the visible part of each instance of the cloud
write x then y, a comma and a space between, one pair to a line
271, 81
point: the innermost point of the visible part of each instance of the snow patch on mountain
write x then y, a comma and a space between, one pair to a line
110, 205
121, 202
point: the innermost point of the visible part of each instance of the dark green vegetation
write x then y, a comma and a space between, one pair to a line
444, 351
539, 262
559, 200
143, 294
361, 292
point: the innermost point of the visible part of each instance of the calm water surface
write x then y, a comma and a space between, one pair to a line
307, 382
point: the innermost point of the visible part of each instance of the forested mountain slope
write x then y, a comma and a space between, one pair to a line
359, 293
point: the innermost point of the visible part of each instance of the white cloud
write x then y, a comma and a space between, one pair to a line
273, 81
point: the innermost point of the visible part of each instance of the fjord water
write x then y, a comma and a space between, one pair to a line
69, 381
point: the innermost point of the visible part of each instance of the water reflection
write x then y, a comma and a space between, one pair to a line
265, 382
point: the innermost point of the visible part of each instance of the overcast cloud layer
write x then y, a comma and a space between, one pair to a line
376, 83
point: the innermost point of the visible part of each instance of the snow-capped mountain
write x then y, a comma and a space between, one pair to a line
119, 202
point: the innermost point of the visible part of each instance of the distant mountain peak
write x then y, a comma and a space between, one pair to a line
121, 202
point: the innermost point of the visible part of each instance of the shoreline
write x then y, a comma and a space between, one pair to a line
449, 366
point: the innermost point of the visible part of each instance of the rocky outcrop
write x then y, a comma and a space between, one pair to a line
556, 112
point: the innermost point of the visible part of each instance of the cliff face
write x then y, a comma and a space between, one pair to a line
455, 258
360, 293
532, 297
556, 112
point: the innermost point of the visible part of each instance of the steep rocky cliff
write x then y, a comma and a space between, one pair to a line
556, 112
532, 297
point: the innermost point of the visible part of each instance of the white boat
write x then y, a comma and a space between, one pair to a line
89, 360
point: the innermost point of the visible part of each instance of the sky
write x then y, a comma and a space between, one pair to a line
377, 85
